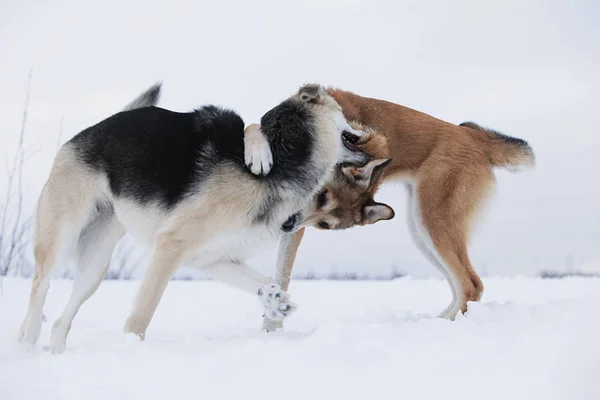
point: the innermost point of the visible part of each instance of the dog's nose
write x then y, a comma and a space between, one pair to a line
290, 224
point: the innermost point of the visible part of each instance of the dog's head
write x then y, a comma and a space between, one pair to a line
348, 199
331, 121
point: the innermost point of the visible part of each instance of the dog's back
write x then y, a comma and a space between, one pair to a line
153, 155
161, 159
412, 138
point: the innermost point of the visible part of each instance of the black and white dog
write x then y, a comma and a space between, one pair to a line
179, 183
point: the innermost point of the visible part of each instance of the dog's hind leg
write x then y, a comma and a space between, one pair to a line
445, 201
275, 301
63, 210
51, 249
94, 249
424, 243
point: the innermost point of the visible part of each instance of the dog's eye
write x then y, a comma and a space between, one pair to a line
323, 225
322, 199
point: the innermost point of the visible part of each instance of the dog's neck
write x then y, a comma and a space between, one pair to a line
302, 155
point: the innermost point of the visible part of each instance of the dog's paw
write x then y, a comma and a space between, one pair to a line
136, 326
275, 301
257, 153
58, 337
270, 325
56, 348
30, 331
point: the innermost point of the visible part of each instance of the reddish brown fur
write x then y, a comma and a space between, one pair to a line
450, 170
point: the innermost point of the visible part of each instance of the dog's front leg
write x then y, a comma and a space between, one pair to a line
165, 261
287, 249
286, 255
275, 301
257, 152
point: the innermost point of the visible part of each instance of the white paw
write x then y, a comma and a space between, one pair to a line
137, 325
30, 331
271, 326
257, 153
450, 311
58, 338
275, 301
56, 348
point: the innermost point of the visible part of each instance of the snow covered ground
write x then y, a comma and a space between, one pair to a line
529, 339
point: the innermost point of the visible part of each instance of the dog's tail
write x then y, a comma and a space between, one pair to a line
147, 99
505, 151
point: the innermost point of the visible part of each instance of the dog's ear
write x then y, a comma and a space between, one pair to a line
377, 212
368, 175
311, 93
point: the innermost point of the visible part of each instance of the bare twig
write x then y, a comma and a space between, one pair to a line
9, 253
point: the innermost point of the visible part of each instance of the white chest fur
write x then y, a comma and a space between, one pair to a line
233, 245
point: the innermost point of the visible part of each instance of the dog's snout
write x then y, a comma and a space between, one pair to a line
290, 224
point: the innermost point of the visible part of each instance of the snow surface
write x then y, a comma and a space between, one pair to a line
528, 339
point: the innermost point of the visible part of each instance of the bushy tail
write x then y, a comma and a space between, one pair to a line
149, 98
505, 151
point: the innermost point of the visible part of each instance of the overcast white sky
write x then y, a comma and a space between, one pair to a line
527, 68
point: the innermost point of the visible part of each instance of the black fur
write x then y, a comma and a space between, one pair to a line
156, 155
496, 134
289, 128
290, 223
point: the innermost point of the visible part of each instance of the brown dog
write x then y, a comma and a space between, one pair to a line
448, 170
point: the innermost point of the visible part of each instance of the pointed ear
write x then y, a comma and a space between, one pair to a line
368, 175
310, 92
377, 212
378, 169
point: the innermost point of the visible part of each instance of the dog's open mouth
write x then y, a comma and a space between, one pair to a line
290, 224
349, 139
